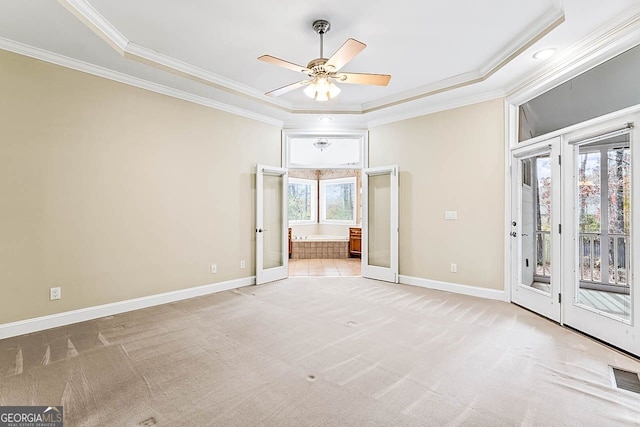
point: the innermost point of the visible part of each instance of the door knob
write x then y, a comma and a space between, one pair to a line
513, 234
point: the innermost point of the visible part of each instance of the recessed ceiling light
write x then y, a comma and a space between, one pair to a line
325, 119
544, 53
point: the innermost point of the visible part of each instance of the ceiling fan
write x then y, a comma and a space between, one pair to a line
322, 71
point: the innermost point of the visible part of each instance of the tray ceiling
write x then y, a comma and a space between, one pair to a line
438, 52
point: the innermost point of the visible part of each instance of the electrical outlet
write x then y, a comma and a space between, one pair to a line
55, 293
242, 264
214, 268
454, 268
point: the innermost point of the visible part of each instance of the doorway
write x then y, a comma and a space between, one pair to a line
324, 214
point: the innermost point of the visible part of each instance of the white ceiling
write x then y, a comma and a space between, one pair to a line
434, 50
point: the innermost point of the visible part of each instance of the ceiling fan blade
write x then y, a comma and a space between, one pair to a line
346, 53
364, 79
287, 88
282, 63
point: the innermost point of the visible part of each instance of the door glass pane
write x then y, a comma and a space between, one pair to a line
535, 240
604, 210
379, 246
272, 220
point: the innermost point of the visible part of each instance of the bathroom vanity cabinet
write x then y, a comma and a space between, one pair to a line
355, 242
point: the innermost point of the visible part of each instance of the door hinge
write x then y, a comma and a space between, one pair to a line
559, 159
559, 298
559, 228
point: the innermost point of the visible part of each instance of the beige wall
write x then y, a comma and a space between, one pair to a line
113, 192
452, 160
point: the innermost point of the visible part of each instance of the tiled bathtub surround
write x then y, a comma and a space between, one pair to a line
325, 250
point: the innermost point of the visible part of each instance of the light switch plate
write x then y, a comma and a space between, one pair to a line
450, 215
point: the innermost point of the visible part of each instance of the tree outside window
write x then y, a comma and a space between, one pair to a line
338, 201
303, 201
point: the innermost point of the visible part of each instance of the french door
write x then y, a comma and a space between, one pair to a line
380, 223
535, 228
601, 241
272, 253
575, 211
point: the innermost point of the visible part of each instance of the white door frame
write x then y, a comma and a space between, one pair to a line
265, 275
388, 274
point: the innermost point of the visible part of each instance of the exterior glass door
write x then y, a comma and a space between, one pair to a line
600, 245
535, 231
272, 254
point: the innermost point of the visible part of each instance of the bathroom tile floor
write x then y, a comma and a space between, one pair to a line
325, 267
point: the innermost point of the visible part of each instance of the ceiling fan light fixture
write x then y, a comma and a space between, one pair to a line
322, 71
322, 89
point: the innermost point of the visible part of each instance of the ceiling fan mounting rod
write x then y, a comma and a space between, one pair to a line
321, 26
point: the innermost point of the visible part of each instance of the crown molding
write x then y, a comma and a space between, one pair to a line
97, 23
86, 13
611, 39
551, 19
104, 29
85, 67
461, 102
181, 68
430, 89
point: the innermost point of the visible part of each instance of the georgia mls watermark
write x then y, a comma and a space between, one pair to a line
31, 416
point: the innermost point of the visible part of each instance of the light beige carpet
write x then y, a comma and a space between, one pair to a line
320, 351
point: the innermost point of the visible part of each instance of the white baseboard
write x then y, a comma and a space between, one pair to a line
21, 327
473, 291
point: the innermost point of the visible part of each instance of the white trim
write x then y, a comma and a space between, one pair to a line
431, 109
97, 23
89, 16
510, 124
21, 327
313, 185
537, 30
553, 17
175, 66
85, 67
455, 288
577, 127
337, 133
322, 184
617, 36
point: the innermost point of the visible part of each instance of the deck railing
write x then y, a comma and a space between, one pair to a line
614, 271
590, 246
543, 254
